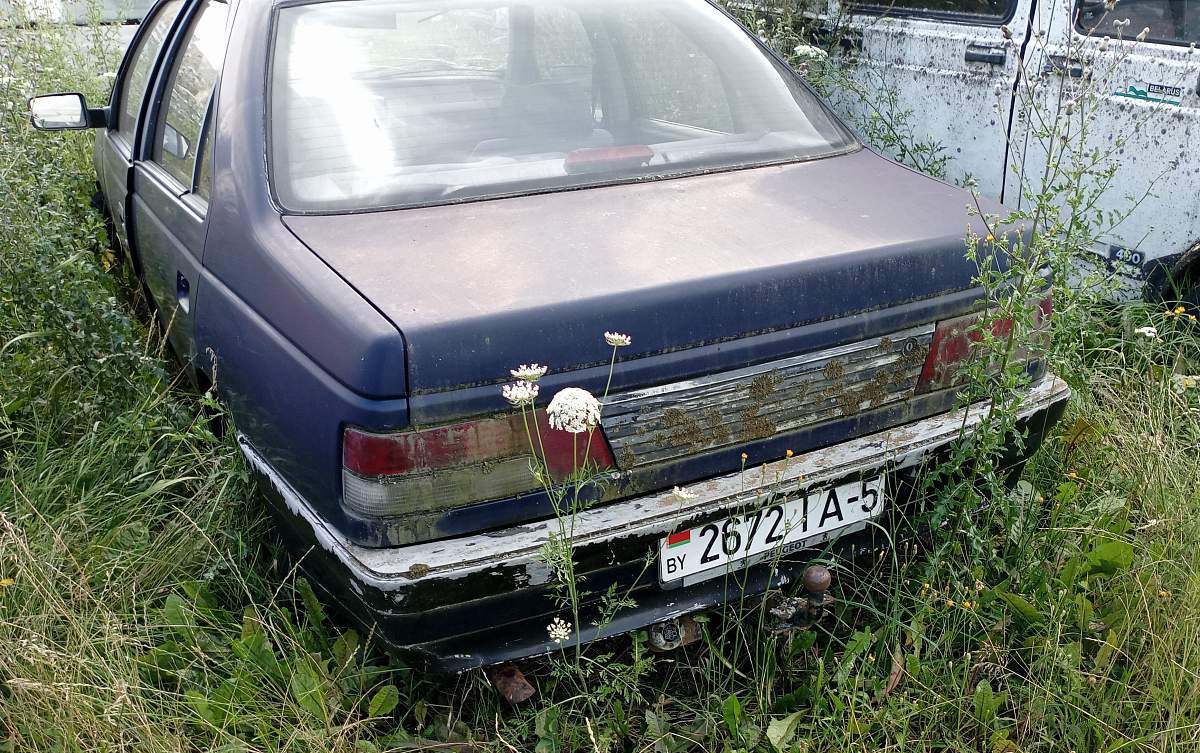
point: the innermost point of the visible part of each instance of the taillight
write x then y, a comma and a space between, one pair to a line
953, 339
394, 474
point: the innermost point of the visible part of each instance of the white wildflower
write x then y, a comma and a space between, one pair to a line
1104, 44
1007, 32
809, 52
1145, 32
573, 410
683, 495
1147, 332
1110, 5
559, 630
520, 393
1181, 383
530, 373
617, 340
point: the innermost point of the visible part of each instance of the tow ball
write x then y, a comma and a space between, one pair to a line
801, 612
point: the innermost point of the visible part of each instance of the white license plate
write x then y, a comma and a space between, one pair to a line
786, 526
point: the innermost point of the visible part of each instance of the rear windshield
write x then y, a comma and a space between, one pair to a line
388, 103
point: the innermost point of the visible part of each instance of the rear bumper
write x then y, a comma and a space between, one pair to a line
482, 599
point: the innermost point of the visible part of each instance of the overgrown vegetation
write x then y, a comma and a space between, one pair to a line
142, 607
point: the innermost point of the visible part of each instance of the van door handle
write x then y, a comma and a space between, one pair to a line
980, 54
1061, 64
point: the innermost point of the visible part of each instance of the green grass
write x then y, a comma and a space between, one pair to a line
142, 609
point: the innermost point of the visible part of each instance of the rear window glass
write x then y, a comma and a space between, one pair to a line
385, 103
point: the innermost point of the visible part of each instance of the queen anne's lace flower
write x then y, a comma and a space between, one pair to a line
1181, 383
1145, 32
559, 630
1147, 332
530, 373
617, 340
520, 393
809, 52
573, 410
683, 495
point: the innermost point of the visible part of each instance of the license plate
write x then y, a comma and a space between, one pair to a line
786, 526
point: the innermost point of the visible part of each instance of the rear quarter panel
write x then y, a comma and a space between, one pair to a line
293, 350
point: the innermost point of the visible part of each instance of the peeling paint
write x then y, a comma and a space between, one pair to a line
399, 568
672, 421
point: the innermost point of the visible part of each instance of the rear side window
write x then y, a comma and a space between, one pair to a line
193, 78
995, 9
141, 65
1170, 21
391, 103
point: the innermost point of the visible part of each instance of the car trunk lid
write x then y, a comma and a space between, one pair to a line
689, 267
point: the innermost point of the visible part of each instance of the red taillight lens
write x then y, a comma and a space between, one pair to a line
392, 474
952, 341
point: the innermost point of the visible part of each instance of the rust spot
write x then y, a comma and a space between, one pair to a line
834, 370
684, 429
847, 401
716, 427
885, 343
874, 391
628, 459
418, 570
763, 385
754, 426
914, 353
802, 390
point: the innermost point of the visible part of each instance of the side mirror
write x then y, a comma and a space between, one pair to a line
63, 112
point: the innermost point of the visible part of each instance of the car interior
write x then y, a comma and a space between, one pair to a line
516, 95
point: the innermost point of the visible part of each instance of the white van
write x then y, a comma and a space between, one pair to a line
122, 14
948, 64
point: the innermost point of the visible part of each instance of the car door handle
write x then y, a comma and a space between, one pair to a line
980, 54
183, 292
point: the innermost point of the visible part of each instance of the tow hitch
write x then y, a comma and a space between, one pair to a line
801, 612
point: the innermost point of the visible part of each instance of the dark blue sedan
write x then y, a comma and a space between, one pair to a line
355, 217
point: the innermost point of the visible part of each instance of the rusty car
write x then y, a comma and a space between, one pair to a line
354, 218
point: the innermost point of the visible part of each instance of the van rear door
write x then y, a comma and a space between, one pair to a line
944, 69
1145, 123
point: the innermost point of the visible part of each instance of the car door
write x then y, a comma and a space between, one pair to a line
171, 181
1145, 123
115, 145
944, 68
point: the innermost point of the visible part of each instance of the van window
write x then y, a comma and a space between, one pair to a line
997, 9
1171, 21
